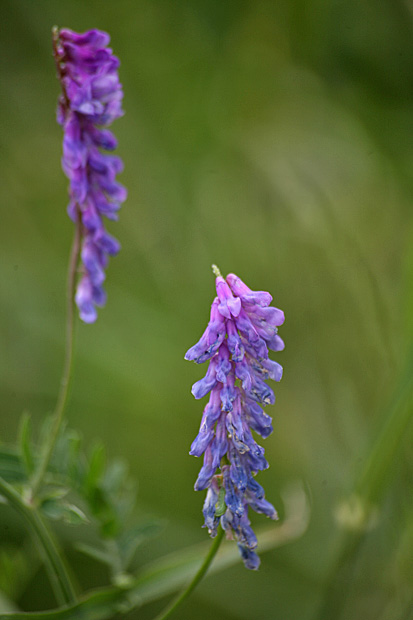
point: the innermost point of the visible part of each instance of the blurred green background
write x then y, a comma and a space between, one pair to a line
274, 139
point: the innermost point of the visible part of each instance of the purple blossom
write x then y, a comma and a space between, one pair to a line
241, 330
91, 99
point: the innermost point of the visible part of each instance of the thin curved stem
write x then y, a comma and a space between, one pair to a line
55, 566
68, 364
169, 610
369, 490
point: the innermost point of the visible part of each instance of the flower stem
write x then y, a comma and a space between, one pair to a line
169, 610
55, 566
68, 364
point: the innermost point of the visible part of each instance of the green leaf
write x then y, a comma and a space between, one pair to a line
25, 442
45, 430
55, 509
72, 515
75, 469
11, 467
97, 554
52, 508
16, 568
168, 574
115, 476
54, 492
103, 510
96, 466
130, 540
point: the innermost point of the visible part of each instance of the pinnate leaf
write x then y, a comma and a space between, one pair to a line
25, 443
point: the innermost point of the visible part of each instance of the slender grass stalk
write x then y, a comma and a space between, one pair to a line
169, 610
65, 381
369, 490
55, 566
375, 475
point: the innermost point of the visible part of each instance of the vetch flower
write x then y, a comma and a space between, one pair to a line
91, 99
242, 328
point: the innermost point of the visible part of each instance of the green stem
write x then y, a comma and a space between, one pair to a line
56, 569
68, 364
374, 477
368, 492
169, 610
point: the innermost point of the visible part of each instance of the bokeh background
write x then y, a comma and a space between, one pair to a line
271, 138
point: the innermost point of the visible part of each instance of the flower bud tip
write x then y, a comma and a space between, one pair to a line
216, 271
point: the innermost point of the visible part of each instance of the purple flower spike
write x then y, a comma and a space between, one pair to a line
91, 99
241, 329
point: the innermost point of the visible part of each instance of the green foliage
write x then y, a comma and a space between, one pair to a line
11, 466
273, 138
56, 509
24, 443
82, 489
168, 574
14, 570
159, 578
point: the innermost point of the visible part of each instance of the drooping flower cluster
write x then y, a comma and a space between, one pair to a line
91, 99
241, 329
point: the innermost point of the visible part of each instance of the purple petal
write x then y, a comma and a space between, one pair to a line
92, 38
91, 95
249, 557
228, 304
261, 298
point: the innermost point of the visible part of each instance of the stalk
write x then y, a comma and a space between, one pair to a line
177, 602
